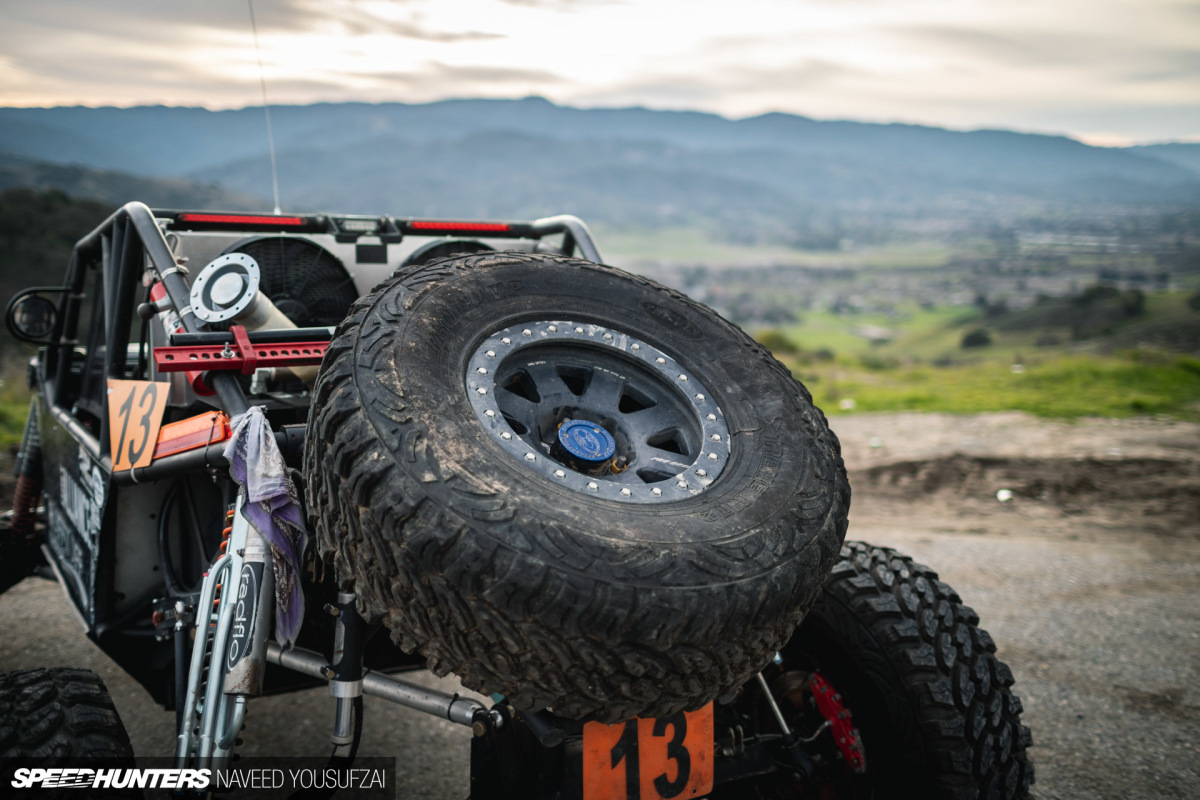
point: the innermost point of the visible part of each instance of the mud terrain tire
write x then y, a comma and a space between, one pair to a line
51, 714
516, 573
932, 702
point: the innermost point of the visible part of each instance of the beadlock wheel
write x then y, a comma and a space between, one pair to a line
569, 485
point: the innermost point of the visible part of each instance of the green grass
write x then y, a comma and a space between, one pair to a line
1071, 379
14, 399
1055, 386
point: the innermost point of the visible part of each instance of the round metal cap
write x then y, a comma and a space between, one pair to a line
586, 441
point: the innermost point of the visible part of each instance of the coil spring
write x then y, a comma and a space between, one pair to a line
226, 532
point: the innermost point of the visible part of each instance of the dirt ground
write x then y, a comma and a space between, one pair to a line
1077, 543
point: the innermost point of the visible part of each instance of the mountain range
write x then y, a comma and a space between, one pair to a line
778, 177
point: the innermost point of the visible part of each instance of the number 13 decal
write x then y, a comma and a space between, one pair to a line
135, 412
649, 759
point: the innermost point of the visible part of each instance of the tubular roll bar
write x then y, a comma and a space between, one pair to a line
122, 244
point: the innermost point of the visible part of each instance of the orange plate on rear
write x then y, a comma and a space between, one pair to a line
649, 759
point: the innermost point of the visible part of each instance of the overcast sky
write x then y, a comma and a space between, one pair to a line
1105, 71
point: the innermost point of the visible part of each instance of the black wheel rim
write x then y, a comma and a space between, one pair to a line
669, 435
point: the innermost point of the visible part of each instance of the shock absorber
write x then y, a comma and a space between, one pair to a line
29, 480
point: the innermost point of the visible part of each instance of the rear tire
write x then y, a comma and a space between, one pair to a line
933, 704
59, 713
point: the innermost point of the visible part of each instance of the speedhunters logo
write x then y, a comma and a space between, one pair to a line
155, 778
84, 778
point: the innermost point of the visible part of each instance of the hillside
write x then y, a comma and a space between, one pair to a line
775, 178
115, 188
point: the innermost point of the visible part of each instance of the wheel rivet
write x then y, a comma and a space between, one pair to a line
656, 491
530, 457
506, 340
579, 330
506, 436
625, 493
635, 346
712, 456
608, 336
701, 472
491, 354
682, 484
553, 329
660, 361
527, 332
712, 417
716, 437
482, 370
593, 485
489, 413
481, 390
683, 378
558, 473
700, 397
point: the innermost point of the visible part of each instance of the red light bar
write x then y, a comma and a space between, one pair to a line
440, 225
241, 219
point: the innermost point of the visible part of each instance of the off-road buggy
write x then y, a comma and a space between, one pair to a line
271, 451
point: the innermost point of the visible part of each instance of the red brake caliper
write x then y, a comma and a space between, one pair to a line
829, 703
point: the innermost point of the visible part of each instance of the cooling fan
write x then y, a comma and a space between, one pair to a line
304, 280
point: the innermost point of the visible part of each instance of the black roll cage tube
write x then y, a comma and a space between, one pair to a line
132, 235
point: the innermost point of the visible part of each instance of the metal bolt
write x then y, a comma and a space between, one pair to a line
608, 336
481, 390
482, 370
593, 485
527, 332
530, 457
489, 413
682, 484
716, 437
701, 472
479, 729
506, 436
635, 346
700, 397
579, 330
558, 473
656, 491
683, 378
552, 328
711, 417
712, 456
506, 340
660, 361
491, 353
625, 493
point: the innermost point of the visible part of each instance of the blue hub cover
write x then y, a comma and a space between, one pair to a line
586, 441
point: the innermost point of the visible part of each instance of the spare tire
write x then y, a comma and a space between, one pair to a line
570, 485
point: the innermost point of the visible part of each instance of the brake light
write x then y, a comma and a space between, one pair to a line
443, 225
240, 219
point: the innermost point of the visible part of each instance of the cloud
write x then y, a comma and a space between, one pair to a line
1123, 58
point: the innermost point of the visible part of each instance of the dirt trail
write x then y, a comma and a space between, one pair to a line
1087, 579
1011, 473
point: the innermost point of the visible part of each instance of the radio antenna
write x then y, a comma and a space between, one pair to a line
262, 79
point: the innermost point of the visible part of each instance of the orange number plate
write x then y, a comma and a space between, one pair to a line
135, 412
649, 759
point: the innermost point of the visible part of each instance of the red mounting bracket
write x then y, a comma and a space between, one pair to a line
239, 355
